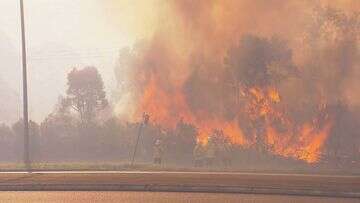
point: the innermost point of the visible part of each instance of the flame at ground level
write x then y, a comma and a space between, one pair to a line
304, 142
306, 145
168, 108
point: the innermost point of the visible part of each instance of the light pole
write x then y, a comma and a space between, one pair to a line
25, 93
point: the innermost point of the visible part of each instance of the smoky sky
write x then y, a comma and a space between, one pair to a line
265, 70
310, 46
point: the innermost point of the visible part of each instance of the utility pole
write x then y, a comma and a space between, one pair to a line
25, 93
144, 122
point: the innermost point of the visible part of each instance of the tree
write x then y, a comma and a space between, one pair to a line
85, 93
256, 61
34, 133
115, 141
181, 142
58, 130
5, 131
7, 150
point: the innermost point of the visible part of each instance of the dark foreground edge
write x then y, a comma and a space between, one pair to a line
247, 183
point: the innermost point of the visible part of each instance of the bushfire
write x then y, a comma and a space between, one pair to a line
279, 135
264, 76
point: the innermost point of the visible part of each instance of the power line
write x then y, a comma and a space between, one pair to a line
72, 57
103, 49
74, 54
103, 52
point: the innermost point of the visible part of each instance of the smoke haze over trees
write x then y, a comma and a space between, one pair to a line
85, 93
278, 81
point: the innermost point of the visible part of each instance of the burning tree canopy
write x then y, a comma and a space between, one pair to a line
267, 75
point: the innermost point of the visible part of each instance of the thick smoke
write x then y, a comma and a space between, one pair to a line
267, 72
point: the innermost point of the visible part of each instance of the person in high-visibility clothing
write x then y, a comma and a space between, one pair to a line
210, 152
158, 152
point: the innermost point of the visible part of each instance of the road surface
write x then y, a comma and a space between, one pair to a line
158, 197
246, 183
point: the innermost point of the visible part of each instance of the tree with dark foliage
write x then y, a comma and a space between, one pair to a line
85, 93
257, 61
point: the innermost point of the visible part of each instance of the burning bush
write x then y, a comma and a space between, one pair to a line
271, 89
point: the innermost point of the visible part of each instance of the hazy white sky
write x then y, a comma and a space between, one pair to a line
62, 34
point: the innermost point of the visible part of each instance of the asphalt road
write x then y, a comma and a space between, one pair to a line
159, 197
246, 183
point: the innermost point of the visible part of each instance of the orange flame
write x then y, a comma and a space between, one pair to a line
197, 35
304, 143
307, 145
167, 108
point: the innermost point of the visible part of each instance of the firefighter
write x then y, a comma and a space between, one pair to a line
210, 152
158, 152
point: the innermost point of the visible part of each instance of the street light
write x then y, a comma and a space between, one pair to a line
25, 94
